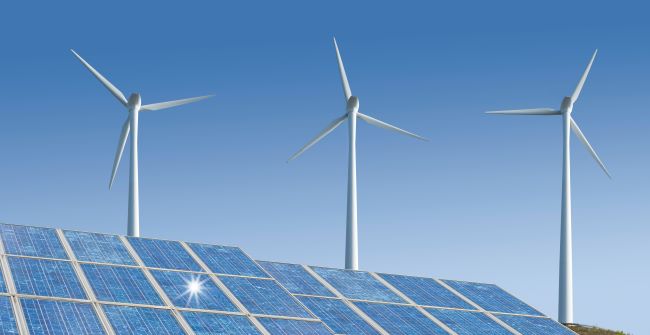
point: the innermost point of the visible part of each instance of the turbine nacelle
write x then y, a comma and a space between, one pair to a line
566, 106
135, 101
352, 105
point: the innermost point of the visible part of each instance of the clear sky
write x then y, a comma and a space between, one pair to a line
480, 201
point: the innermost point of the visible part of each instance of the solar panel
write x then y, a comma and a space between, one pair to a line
7, 319
192, 290
98, 248
400, 319
60, 317
338, 316
534, 326
426, 291
163, 254
294, 327
3, 286
128, 320
227, 260
45, 277
357, 285
31, 241
210, 323
263, 296
491, 297
468, 323
295, 279
120, 284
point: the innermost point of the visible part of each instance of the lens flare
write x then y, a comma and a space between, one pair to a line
193, 289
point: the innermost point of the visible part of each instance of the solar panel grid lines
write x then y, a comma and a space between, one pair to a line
532, 325
8, 324
490, 315
468, 322
31, 241
492, 297
96, 248
161, 254
224, 289
357, 285
11, 290
85, 284
410, 301
295, 279
161, 293
338, 315
352, 306
226, 260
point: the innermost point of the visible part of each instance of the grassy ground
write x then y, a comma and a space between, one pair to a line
587, 330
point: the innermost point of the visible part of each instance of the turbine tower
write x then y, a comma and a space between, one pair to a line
351, 115
134, 107
565, 303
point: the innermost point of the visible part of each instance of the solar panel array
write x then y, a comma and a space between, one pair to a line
66, 282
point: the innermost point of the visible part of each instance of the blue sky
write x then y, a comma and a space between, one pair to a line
480, 201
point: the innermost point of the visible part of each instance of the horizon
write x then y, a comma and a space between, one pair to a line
479, 202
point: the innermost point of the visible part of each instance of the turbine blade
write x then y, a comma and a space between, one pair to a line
318, 137
114, 90
533, 111
344, 77
576, 93
174, 103
583, 139
126, 128
382, 124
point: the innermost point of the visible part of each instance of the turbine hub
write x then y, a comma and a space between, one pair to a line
567, 105
135, 100
353, 104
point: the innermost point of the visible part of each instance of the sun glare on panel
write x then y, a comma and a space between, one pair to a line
193, 289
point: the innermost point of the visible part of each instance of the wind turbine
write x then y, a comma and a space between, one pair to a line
351, 115
565, 310
134, 107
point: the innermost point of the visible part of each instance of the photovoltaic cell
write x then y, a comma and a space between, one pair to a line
3, 286
294, 327
31, 241
54, 317
400, 319
120, 284
426, 291
163, 254
7, 319
264, 296
338, 316
357, 285
534, 326
491, 297
468, 323
295, 279
227, 260
99, 248
208, 296
209, 323
127, 320
45, 277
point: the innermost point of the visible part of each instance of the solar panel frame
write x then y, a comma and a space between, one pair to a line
465, 322
492, 298
425, 291
338, 316
79, 318
8, 325
108, 248
31, 241
357, 285
212, 323
294, 327
531, 325
163, 254
132, 320
391, 317
296, 279
45, 277
109, 283
226, 260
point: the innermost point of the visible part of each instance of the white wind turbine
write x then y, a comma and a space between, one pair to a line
351, 115
134, 107
565, 304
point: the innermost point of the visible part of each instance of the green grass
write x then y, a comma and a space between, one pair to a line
588, 330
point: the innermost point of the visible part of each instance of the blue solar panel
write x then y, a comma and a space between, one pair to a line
54, 317
3, 286
264, 296
400, 319
534, 326
208, 296
127, 320
163, 254
45, 277
227, 260
426, 291
209, 323
295, 279
294, 327
468, 323
31, 241
99, 248
120, 284
357, 285
338, 316
7, 320
491, 297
